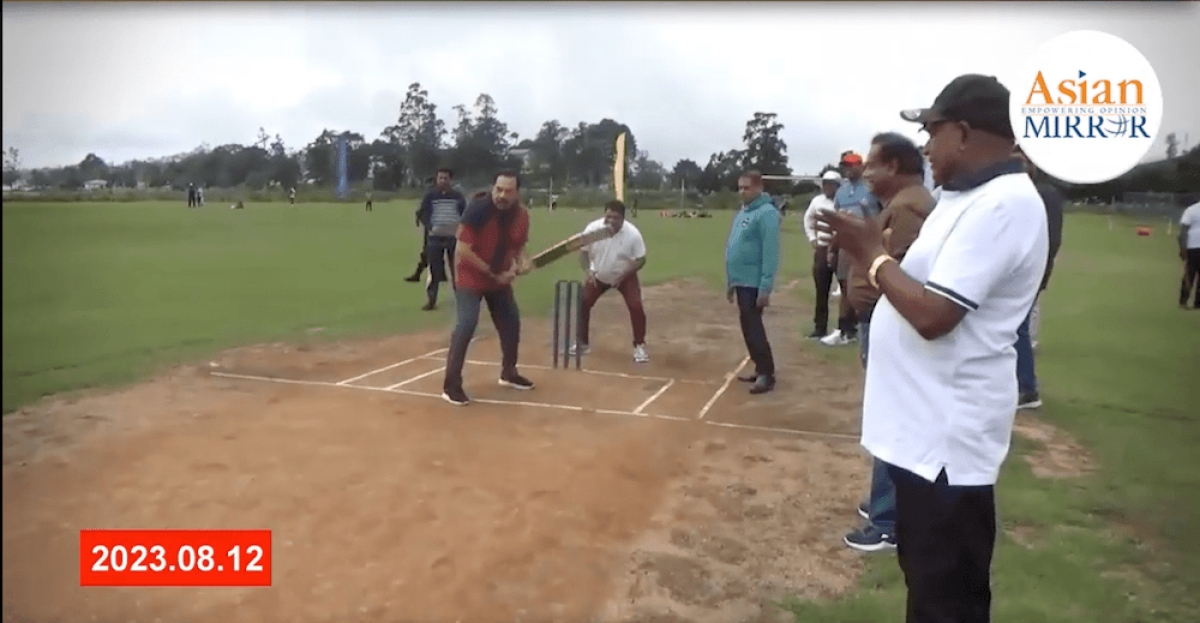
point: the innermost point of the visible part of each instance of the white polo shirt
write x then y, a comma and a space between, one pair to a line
1191, 218
950, 402
612, 257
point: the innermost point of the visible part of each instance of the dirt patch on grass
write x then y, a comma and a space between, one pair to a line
1060, 456
563, 503
1024, 535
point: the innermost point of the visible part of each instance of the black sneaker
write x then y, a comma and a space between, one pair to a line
748, 378
862, 510
816, 335
1029, 400
763, 385
516, 381
429, 306
455, 396
870, 539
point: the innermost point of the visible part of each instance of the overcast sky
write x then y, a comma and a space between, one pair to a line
152, 79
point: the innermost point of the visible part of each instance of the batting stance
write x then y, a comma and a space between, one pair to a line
610, 263
490, 254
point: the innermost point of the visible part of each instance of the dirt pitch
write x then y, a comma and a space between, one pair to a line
605, 496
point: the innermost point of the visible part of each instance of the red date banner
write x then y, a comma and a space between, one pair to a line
175, 558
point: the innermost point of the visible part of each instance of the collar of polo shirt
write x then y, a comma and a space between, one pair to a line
984, 175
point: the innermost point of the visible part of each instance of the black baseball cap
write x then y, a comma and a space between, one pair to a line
981, 101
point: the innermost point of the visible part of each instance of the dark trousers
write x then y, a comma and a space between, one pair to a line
631, 291
1191, 278
754, 332
422, 263
439, 251
945, 536
823, 279
506, 317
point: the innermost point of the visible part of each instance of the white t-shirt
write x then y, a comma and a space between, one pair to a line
1191, 218
820, 202
950, 402
612, 257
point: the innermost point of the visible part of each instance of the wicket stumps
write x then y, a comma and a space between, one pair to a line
567, 293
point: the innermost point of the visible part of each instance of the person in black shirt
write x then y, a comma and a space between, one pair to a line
1029, 396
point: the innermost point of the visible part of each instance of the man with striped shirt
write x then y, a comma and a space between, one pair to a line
440, 212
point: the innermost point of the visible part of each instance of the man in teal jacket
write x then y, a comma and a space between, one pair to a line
751, 260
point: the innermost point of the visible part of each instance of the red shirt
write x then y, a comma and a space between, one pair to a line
482, 228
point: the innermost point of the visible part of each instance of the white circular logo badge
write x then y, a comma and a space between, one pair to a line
1086, 107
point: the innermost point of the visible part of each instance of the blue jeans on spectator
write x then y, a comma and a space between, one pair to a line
881, 501
1027, 382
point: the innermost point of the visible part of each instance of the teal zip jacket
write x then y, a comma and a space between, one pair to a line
752, 252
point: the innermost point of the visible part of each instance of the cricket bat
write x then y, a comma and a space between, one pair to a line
570, 245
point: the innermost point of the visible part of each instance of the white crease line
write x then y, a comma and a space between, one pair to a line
544, 405
271, 379
728, 379
655, 396
394, 365
790, 431
524, 403
414, 379
654, 416
639, 377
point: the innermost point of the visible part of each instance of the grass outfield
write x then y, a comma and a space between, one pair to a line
101, 294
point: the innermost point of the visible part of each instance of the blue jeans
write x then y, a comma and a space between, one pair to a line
502, 306
881, 501
1026, 375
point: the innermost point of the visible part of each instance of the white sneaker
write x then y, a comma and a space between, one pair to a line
576, 347
640, 355
836, 291
833, 339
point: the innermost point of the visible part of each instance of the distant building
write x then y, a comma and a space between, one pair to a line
95, 184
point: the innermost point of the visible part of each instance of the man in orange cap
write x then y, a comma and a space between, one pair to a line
853, 197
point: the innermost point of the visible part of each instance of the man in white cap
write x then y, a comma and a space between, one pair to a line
822, 272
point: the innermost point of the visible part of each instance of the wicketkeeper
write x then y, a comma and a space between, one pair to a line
611, 263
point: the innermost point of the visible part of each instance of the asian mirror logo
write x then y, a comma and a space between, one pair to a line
1086, 107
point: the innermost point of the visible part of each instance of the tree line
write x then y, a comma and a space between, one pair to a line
408, 153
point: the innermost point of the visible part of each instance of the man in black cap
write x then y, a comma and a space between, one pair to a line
941, 393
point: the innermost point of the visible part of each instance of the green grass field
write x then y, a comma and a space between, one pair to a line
104, 294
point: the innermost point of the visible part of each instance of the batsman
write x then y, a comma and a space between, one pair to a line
613, 263
489, 255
